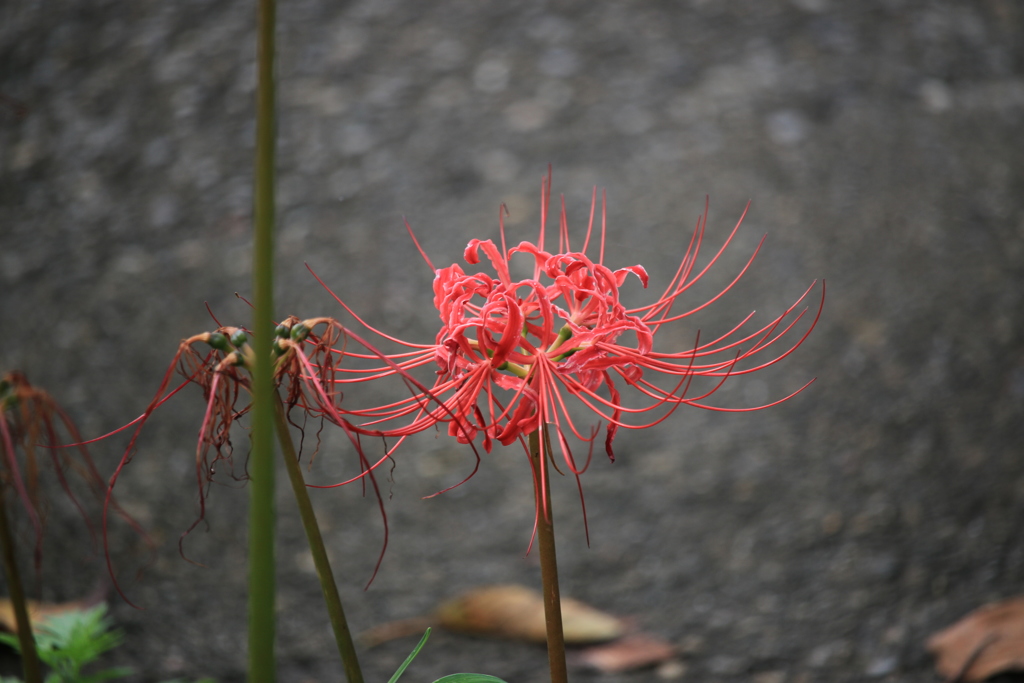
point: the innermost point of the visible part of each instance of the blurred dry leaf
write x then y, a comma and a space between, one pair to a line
504, 611
988, 641
38, 612
517, 613
636, 651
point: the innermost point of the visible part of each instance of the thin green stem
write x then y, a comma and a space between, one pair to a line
548, 562
261, 464
342, 634
29, 657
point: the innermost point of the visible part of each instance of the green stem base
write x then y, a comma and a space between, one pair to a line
342, 634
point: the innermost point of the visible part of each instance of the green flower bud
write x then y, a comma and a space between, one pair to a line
218, 341
239, 338
299, 332
282, 331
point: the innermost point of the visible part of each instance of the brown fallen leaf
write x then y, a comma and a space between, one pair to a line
504, 611
988, 641
38, 612
637, 651
517, 613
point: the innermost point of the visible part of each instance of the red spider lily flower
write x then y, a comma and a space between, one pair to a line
31, 424
219, 362
511, 354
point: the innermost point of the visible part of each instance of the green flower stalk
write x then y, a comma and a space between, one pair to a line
261, 470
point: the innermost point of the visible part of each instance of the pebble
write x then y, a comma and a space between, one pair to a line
525, 116
936, 96
558, 62
786, 127
881, 666
491, 76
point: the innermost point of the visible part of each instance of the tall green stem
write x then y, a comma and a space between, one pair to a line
261, 464
29, 657
548, 563
342, 634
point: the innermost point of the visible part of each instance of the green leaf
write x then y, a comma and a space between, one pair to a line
69, 641
412, 656
469, 678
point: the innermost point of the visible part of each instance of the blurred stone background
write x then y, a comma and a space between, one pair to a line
821, 540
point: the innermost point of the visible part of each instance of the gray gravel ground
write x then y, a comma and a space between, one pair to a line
821, 540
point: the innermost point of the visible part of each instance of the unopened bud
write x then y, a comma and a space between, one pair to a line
239, 338
218, 341
299, 332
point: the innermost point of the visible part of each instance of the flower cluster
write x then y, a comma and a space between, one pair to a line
219, 363
510, 353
